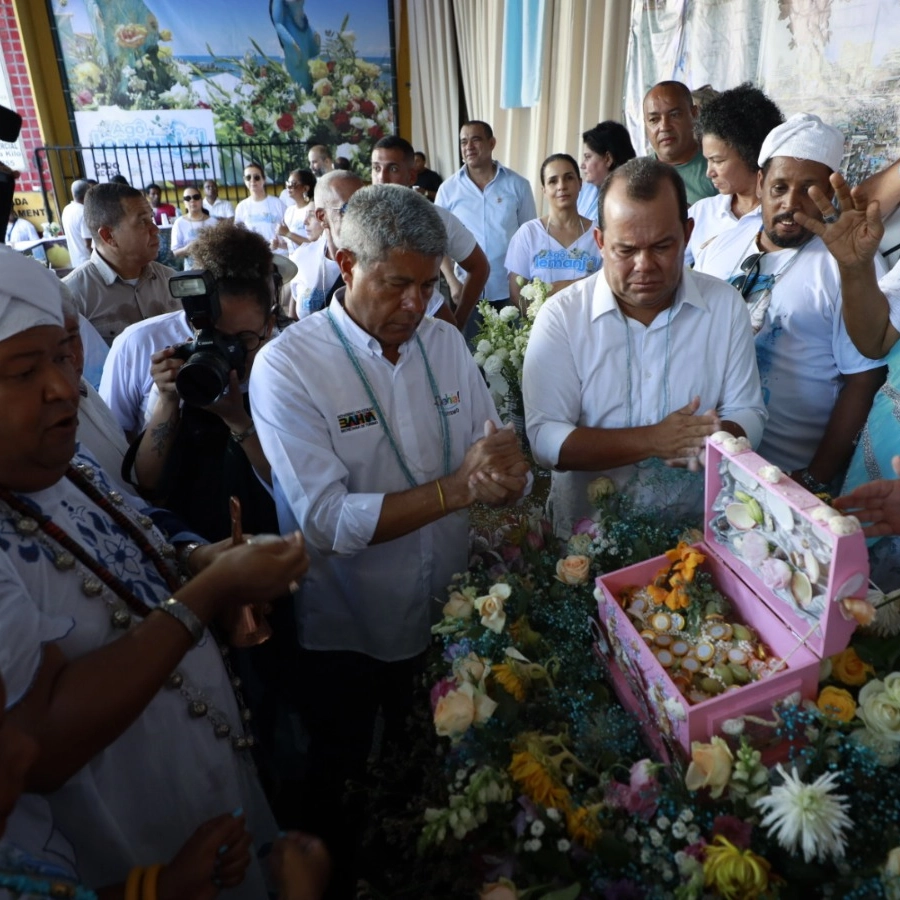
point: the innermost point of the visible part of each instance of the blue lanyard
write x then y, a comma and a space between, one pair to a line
445, 428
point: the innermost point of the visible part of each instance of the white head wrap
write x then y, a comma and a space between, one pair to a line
30, 294
805, 136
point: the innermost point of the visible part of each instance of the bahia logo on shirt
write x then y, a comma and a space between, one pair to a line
361, 418
449, 403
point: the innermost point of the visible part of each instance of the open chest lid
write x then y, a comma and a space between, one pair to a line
800, 556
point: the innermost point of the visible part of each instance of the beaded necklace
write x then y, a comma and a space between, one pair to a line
373, 399
23, 885
28, 523
664, 411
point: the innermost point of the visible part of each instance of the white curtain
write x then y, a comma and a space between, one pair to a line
434, 82
583, 75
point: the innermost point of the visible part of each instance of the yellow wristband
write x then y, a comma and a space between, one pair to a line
441, 497
148, 892
133, 883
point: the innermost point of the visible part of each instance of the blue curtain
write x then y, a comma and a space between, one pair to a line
522, 56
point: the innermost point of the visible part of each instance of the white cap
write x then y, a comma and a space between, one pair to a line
30, 294
805, 136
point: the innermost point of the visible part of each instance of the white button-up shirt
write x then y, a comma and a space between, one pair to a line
492, 215
332, 464
576, 374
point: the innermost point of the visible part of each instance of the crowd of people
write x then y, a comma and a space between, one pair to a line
231, 499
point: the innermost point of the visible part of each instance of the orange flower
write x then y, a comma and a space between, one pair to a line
583, 827
848, 668
657, 594
507, 676
538, 784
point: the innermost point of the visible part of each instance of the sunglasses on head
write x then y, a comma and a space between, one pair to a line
192, 197
253, 177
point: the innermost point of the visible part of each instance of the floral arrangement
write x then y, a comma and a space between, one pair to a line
126, 64
501, 341
347, 105
539, 786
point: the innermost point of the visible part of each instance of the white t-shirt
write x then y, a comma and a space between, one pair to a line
803, 348
262, 216
72, 219
185, 231
126, 382
295, 216
584, 355
316, 273
712, 216
533, 253
221, 209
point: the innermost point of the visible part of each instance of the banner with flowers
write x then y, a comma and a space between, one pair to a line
270, 71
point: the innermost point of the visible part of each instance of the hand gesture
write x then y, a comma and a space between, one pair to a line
493, 471
852, 236
876, 504
255, 571
681, 436
215, 856
164, 367
301, 866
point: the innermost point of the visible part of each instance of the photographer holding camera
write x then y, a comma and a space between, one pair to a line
200, 446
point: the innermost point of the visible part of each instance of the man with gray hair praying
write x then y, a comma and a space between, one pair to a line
381, 434
817, 387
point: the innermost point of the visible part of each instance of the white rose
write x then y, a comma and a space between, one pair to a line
491, 607
509, 314
879, 710
599, 488
458, 606
493, 364
484, 347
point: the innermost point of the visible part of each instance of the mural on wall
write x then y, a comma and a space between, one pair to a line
272, 71
839, 59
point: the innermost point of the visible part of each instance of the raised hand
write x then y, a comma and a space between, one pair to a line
852, 236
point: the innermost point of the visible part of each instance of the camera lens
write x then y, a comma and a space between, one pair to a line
202, 378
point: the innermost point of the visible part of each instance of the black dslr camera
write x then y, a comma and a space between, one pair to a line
210, 357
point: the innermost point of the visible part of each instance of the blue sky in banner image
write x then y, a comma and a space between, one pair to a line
226, 24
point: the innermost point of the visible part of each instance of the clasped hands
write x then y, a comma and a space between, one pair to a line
681, 435
494, 471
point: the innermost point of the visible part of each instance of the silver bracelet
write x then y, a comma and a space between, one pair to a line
241, 436
186, 616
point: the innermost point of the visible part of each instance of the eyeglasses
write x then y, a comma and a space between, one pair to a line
293, 184
250, 339
192, 197
253, 177
340, 210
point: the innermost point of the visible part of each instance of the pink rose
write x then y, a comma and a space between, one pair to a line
584, 526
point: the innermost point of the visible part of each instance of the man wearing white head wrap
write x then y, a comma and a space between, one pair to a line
818, 388
94, 621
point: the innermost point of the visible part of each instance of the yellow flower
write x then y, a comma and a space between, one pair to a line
735, 874
165, 35
510, 678
836, 703
88, 73
848, 668
539, 784
582, 825
165, 52
710, 767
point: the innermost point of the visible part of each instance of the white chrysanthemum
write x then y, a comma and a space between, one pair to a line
807, 815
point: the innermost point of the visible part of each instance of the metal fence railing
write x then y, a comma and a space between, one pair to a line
169, 165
